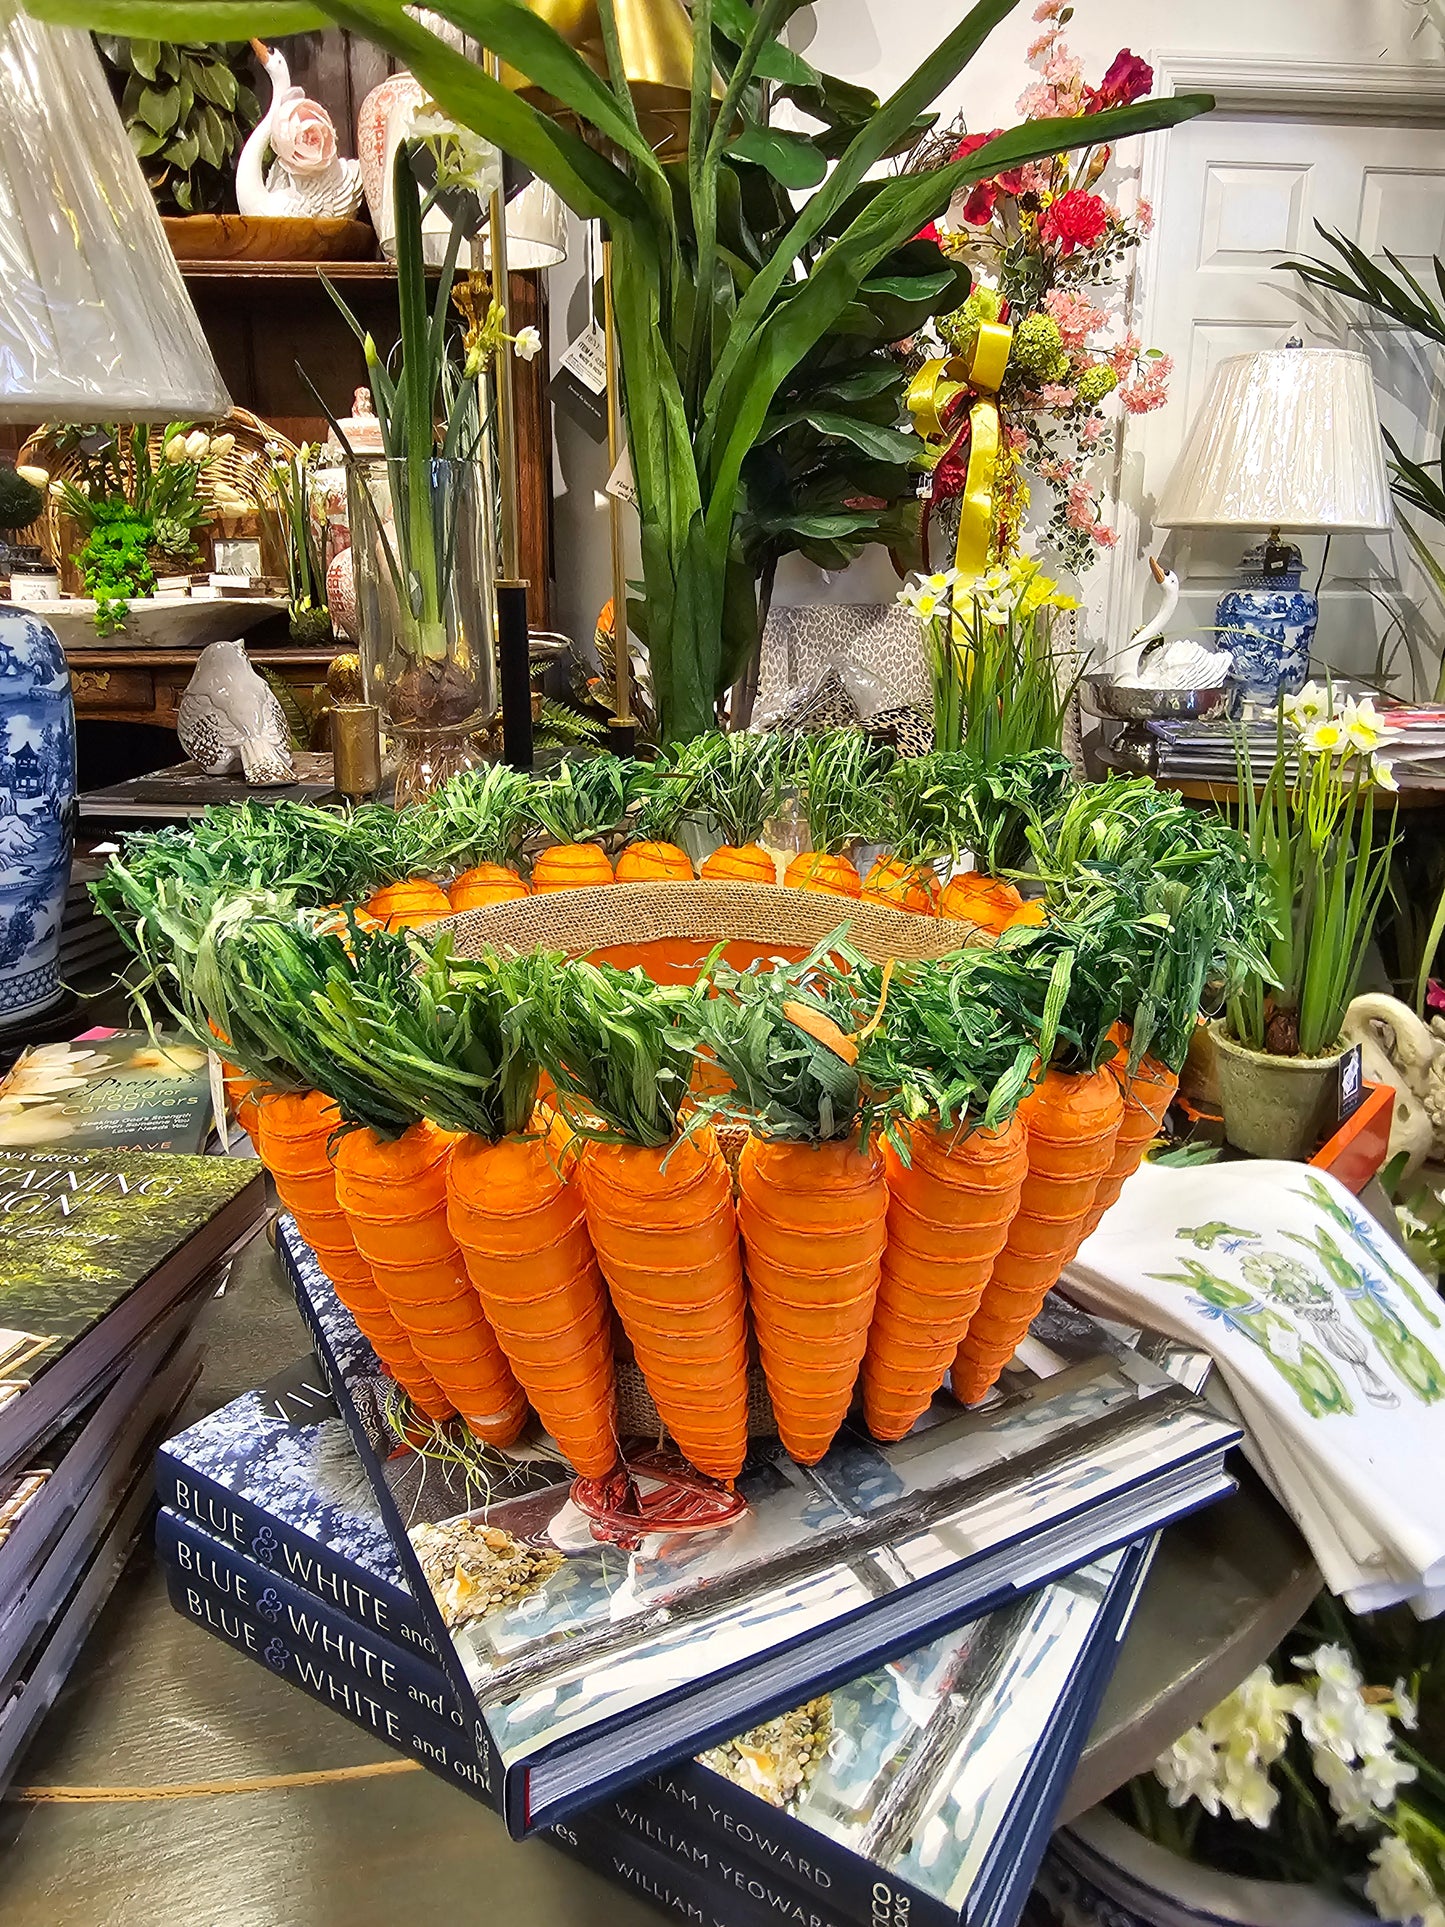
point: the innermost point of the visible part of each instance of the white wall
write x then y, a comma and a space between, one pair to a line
878, 43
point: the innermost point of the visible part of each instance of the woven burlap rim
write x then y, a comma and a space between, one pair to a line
581, 921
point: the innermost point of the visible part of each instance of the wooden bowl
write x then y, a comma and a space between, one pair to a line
267, 237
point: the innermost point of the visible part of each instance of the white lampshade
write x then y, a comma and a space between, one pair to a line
536, 229
1287, 439
95, 321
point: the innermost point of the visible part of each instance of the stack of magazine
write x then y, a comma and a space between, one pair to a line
871, 1676
105, 1261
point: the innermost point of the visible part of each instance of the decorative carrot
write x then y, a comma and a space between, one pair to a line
838, 774
739, 785
812, 1193
910, 814
658, 1197
958, 1041
513, 1203
1148, 1092
400, 906
985, 901
650, 855
478, 820
1071, 1119
486, 883
581, 804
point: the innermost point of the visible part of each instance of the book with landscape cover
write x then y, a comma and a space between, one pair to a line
109, 1090
597, 1647
96, 1248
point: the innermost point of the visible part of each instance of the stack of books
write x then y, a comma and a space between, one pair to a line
862, 1684
1208, 752
105, 1261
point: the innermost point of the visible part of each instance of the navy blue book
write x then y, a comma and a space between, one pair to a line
928, 1789
599, 1644
249, 1475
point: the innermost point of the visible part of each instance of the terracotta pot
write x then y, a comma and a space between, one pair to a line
1101, 1873
1275, 1107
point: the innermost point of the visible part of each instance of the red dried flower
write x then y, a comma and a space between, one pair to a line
1075, 220
1129, 78
929, 233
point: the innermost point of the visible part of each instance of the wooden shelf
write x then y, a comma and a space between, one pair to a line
290, 270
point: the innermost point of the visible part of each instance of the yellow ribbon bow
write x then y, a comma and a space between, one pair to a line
931, 393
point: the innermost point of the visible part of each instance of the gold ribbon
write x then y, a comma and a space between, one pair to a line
931, 393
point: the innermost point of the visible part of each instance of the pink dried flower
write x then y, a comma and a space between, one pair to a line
1076, 315
1042, 44
1056, 469
1105, 537
1094, 427
1435, 995
1049, 9
1150, 388
1038, 102
1082, 509
1124, 354
1016, 438
1063, 69
1055, 394
1144, 216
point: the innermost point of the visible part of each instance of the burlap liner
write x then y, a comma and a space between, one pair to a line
581, 921
637, 1416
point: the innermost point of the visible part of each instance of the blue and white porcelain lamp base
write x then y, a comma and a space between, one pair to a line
37, 811
1267, 623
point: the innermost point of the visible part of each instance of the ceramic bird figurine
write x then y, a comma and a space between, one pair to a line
308, 178
1147, 661
229, 719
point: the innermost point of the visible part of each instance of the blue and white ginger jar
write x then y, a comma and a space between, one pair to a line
1267, 623
37, 808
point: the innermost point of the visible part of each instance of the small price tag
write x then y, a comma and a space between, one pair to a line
1352, 1082
620, 482
587, 359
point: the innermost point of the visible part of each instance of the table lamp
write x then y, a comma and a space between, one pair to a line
95, 325
1288, 441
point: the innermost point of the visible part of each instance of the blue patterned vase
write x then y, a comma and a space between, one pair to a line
37, 810
1267, 624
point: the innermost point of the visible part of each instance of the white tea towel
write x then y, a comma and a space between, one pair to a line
1329, 1340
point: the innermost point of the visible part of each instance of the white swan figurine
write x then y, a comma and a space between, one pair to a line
1180, 664
308, 179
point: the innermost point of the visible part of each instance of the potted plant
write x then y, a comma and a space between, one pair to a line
294, 497
1309, 1797
1312, 829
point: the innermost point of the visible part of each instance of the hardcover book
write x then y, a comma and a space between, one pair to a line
597, 1645
95, 1249
118, 1090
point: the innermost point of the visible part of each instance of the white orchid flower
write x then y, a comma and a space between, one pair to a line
527, 344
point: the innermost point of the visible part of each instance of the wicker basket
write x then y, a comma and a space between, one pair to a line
669, 928
245, 470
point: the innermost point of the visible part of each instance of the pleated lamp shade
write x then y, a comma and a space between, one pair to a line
1287, 439
95, 321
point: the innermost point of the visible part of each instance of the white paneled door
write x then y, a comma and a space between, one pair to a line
1237, 193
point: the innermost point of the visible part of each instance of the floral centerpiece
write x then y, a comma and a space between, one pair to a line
1051, 251
1319, 1768
138, 507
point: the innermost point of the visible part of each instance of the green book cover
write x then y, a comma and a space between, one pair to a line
79, 1232
116, 1091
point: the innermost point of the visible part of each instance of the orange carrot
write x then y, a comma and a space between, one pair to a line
1071, 1120
1147, 1096
294, 1134
812, 1217
570, 866
417, 900
665, 1233
394, 1194
486, 883
949, 1212
827, 875
515, 1209
903, 886
654, 862
739, 863
986, 901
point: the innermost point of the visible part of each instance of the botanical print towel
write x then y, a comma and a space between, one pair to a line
1331, 1344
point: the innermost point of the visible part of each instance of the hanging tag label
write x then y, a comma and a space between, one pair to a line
587, 359
1352, 1082
620, 482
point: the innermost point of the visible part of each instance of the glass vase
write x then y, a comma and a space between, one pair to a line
422, 556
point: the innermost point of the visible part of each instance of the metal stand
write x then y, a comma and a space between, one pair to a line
514, 660
623, 725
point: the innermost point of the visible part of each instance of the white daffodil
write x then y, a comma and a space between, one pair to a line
1382, 1776
1399, 1888
1363, 726
527, 344
1382, 774
1325, 738
1407, 1707
1307, 706
1248, 1793
1190, 1771
1349, 1796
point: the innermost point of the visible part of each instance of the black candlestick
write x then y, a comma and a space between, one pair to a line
516, 673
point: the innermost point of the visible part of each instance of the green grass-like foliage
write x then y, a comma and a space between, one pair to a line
587, 799
839, 777
738, 782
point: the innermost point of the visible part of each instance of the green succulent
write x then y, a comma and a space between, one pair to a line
174, 538
187, 114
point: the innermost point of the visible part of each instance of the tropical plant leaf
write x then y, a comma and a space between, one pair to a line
793, 160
